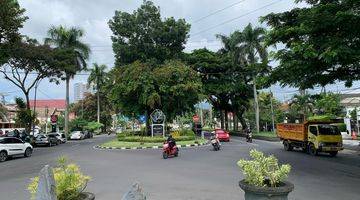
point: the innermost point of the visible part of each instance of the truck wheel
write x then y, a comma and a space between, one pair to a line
333, 153
287, 146
312, 150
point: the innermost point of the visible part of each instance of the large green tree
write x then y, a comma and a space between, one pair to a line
98, 77
11, 20
69, 40
143, 35
319, 44
249, 49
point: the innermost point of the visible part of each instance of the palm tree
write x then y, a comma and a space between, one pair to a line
249, 48
69, 39
97, 77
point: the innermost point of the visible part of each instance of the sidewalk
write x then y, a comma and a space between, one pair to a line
351, 144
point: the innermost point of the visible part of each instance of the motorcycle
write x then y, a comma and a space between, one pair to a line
215, 143
170, 152
249, 136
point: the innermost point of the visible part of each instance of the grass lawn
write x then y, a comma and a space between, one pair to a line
116, 143
266, 134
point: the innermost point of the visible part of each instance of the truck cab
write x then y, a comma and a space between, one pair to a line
324, 138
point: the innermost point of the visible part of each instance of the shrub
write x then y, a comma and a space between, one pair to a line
341, 126
69, 180
157, 139
93, 126
186, 132
263, 170
322, 118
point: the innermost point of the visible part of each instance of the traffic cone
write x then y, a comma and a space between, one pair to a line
353, 135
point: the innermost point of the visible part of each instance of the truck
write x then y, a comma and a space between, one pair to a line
311, 137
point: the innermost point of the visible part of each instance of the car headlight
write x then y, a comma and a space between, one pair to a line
321, 144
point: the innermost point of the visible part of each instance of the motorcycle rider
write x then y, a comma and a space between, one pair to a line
171, 141
248, 135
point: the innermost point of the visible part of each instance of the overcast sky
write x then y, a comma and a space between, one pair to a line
92, 16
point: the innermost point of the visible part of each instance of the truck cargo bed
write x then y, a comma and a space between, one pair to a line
289, 131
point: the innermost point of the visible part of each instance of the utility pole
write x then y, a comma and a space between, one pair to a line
33, 125
272, 111
46, 116
256, 106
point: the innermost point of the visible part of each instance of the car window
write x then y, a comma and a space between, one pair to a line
2, 140
16, 141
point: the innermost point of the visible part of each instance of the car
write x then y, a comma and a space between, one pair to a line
77, 135
88, 134
11, 146
46, 140
222, 135
60, 137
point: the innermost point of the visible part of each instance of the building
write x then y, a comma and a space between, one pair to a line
45, 108
80, 89
350, 100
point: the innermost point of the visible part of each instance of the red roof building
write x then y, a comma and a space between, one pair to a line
59, 104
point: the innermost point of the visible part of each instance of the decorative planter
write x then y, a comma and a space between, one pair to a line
87, 196
266, 193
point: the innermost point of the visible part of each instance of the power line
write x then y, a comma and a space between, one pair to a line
235, 18
217, 11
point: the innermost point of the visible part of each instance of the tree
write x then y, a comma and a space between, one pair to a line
24, 117
319, 43
69, 40
143, 36
78, 124
249, 49
11, 20
87, 109
98, 78
30, 58
303, 105
329, 104
139, 88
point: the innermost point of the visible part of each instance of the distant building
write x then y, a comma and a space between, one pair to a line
350, 100
45, 108
80, 89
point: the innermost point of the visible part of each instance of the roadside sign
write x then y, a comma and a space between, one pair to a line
196, 118
53, 119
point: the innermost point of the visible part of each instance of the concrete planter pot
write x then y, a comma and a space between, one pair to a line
87, 196
266, 193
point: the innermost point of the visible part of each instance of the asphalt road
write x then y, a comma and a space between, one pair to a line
198, 173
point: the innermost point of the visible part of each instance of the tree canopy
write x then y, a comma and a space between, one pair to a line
11, 20
143, 35
318, 44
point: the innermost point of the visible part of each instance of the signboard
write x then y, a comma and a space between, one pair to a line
53, 119
196, 118
158, 119
157, 129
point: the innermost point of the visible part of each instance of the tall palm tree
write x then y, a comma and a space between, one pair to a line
251, 50
97, 77
69, 39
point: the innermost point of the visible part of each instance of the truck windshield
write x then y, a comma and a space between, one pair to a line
326, 129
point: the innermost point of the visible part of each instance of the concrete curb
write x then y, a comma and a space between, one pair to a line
153, 147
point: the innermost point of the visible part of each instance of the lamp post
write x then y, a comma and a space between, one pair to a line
36, 86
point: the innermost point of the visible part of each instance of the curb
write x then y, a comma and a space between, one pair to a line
153, 147
270, 139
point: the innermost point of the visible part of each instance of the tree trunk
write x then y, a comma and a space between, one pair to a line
28, 126
98, 105
67, 106
235, 128
256, 105
226, 120
221, 119
239, 115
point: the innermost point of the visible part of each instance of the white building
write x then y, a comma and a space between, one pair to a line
79, 91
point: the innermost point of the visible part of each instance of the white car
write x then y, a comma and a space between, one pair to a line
60, 136
11, 146
77, 135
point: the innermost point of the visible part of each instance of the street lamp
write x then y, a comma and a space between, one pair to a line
36, 86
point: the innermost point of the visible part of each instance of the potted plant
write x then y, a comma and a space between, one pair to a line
264, 178
69, 180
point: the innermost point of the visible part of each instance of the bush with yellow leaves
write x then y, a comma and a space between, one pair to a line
69, 180
263, 170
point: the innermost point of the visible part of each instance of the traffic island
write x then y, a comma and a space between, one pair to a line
123, 145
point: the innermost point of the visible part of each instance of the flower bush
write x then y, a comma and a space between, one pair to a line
69, 180
263, 170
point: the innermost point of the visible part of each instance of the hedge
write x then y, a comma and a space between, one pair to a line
156, 139
341, 127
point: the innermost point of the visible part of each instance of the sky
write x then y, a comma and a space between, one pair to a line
207, 18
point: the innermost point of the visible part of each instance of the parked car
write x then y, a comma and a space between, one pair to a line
60, 137
222, 135
88, 134
46, 140
11, 146
77, 135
